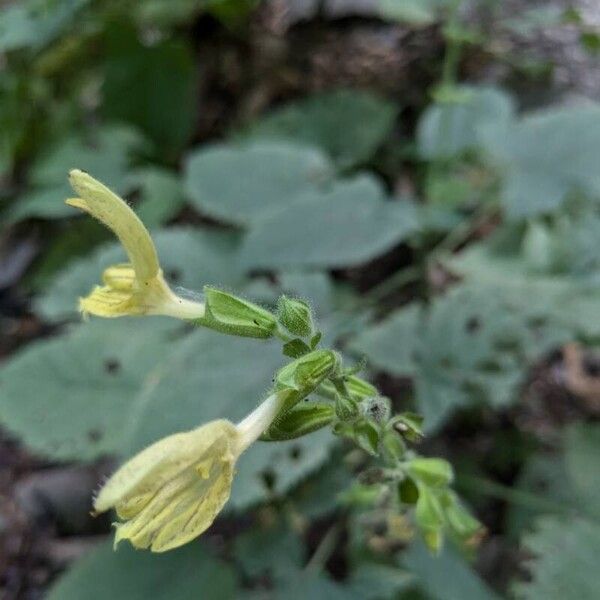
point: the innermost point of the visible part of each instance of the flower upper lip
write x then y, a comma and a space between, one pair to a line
137, 287
99, 201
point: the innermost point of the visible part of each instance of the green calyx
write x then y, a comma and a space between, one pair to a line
301, 420
302, 376
296, 381
235, 316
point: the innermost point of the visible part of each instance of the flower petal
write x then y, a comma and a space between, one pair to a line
97, 200
120, 277
156, 465
185, 506
105, 301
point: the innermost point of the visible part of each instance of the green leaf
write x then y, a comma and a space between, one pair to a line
36, 23
389, 345
475, 349
240, 184
451, 128
565, 560
313, 497
408, 492
255, 550
545, 157
582, 448
161, 196
302, 585
68, 398
566, 293
232, 13
197, 384
366, 435
190, 258
127, 574
155, 13
445, 577
429, 515
15, 116
106, 157
563, 482
151, 87
471, 347
347, 226
544, 477
270, 470
349, 125
527, 21
296, 348
77, 238
212, 376
372, 581
413, 12
574, 245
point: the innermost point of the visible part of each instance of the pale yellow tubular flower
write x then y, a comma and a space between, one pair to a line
172, 491
137, 287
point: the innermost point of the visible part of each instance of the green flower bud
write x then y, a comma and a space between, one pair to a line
357, 388
295, 315
460, 521
433, 472
360, 388
408, 425
300, 377
429, 515
229, 314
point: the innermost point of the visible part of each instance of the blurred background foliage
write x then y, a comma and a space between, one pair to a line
426, 173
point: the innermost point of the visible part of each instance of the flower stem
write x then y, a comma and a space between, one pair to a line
180, 308
259, 420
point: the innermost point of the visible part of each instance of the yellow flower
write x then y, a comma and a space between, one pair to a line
172, 491
137, 287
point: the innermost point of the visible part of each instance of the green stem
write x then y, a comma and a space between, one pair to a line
324, 550
461, 233
282, 335
448, 80
453, 49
